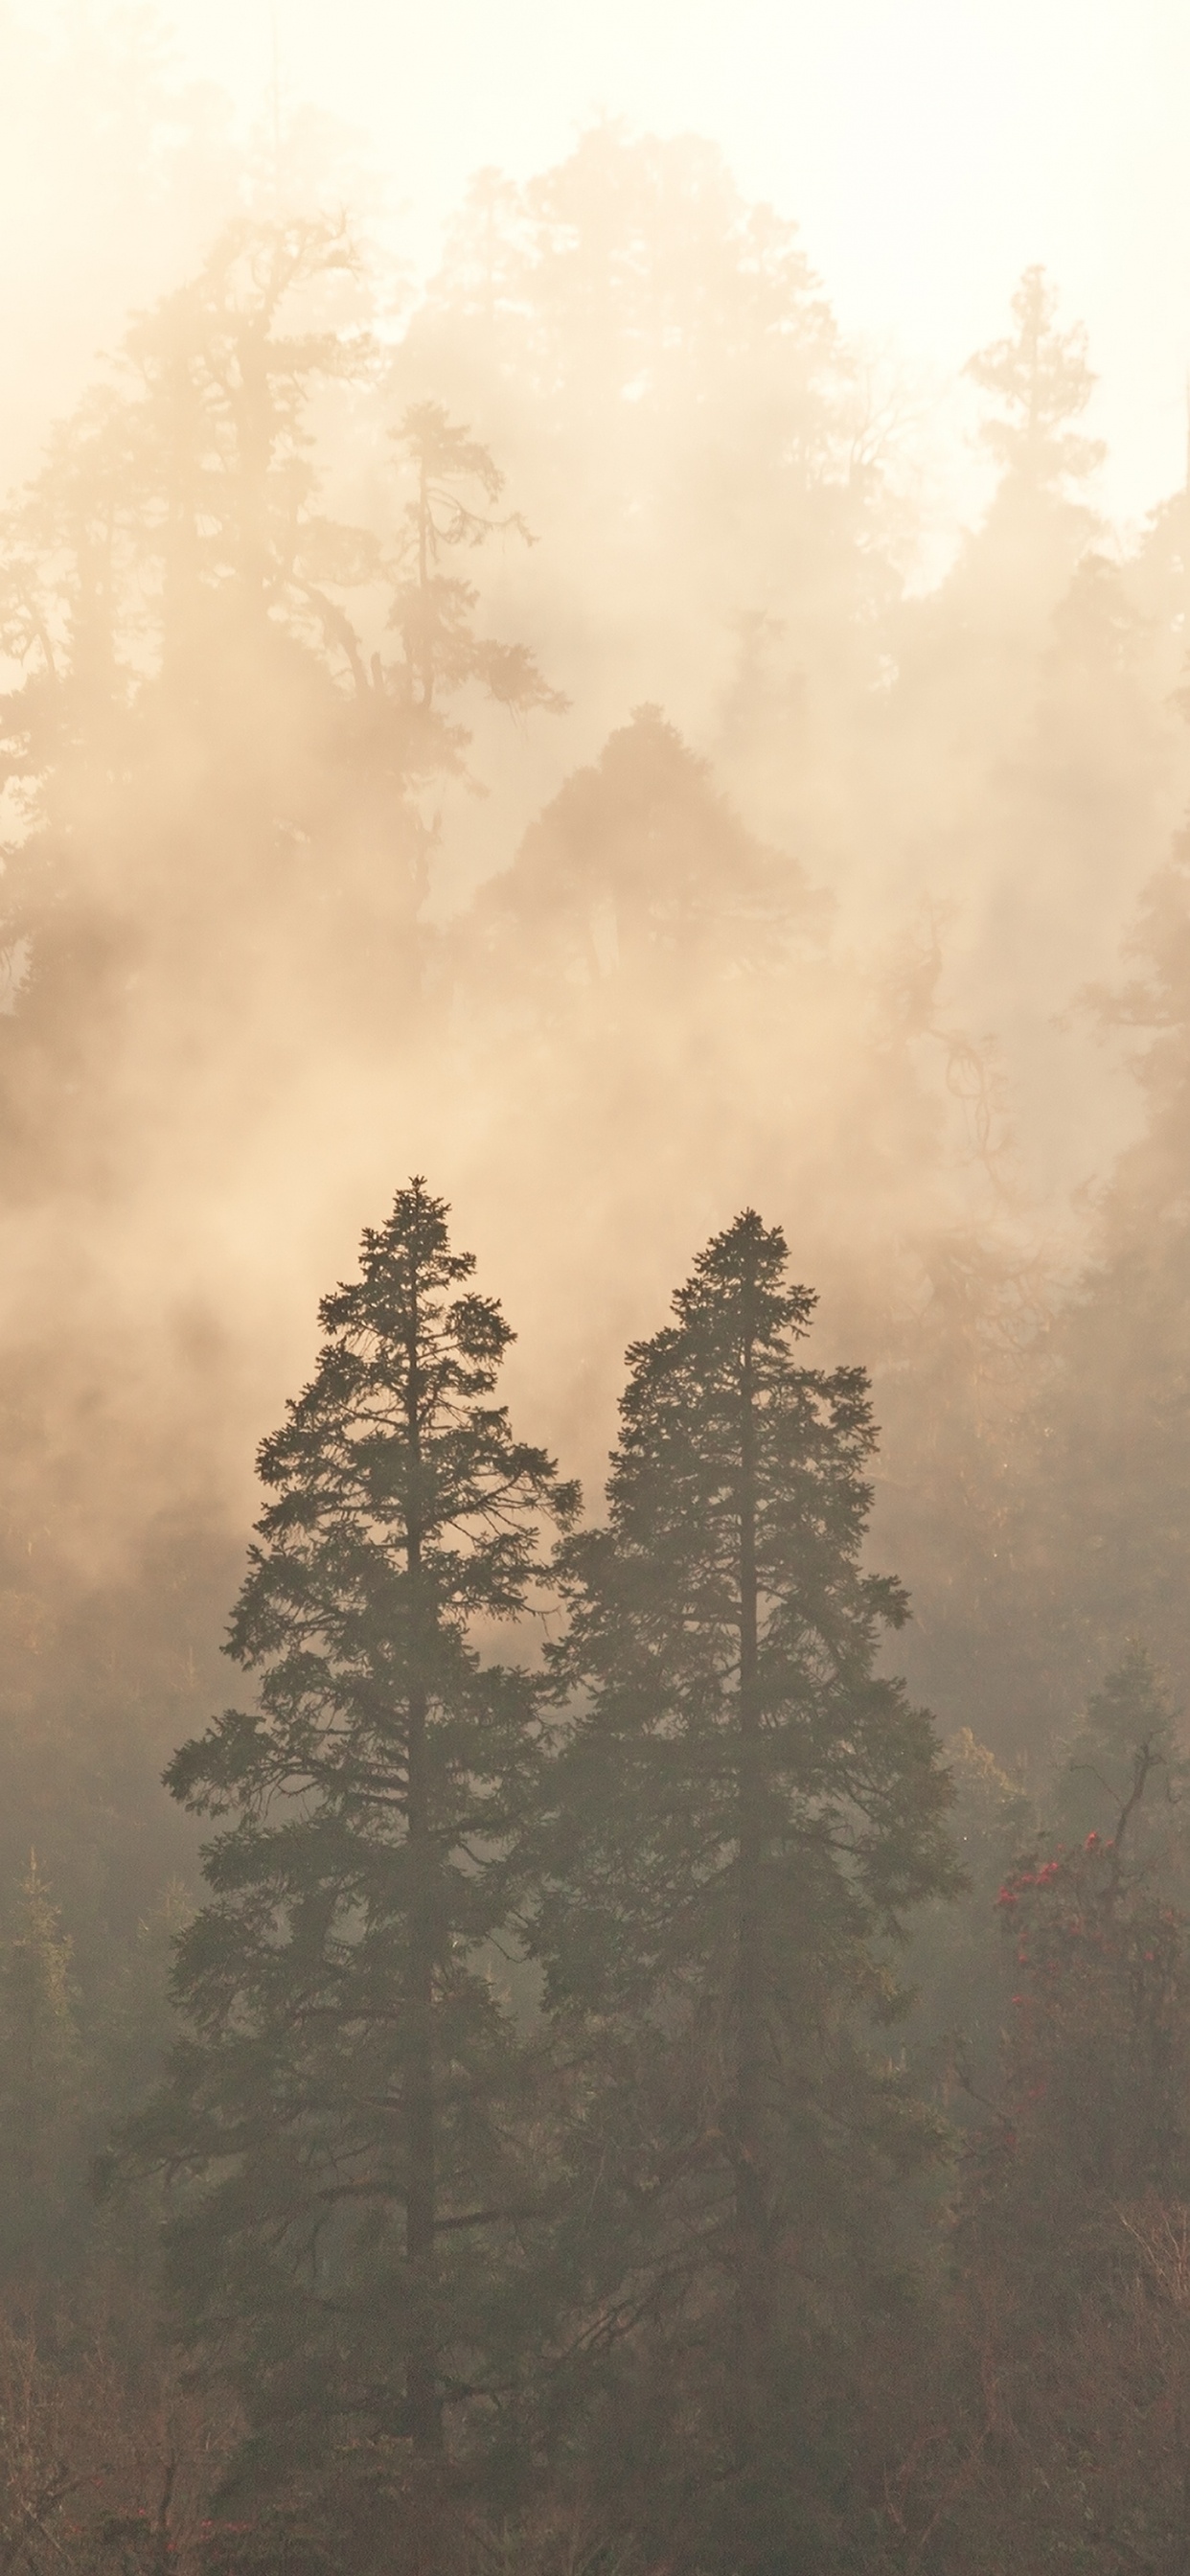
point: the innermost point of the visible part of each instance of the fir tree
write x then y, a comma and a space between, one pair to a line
743, 1813
343, 2099
1041, 377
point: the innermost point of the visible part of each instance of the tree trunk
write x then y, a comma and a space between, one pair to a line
748, 2124
423, 2399
424, 2404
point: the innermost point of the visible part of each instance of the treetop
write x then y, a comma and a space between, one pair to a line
744, 1268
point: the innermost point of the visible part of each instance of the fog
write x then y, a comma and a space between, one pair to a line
746, 803
593, 609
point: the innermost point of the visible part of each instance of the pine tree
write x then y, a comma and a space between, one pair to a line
743, 1813
1041, 377
343, 2100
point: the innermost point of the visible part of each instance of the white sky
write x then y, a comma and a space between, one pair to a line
929, 149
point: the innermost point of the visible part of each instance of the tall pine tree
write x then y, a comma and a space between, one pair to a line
744, 1811
342, 2102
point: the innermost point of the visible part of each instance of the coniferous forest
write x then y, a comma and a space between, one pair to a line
595, 1383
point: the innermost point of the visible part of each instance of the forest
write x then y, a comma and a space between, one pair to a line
595, 1378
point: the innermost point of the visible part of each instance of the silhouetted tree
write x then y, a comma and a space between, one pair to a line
344, 2101
744, 1812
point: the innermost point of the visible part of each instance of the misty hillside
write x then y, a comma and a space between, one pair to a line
679, 2054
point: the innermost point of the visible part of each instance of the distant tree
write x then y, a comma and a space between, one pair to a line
1106, 1496
433, 609
1041, 378
108, 2457
636, 267
637, 877
344, 2102
173, 599
1130, 1716
1092, 2120
202, 750
743, 1814
1052, 2407
661, 367
213, 843
1025, 670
